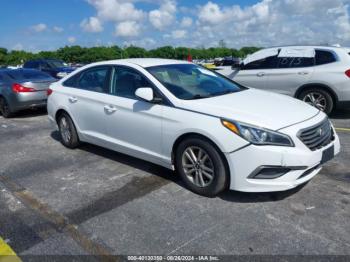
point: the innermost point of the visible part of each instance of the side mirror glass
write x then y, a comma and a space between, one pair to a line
145, 93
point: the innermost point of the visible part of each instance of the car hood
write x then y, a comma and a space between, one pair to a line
255, 107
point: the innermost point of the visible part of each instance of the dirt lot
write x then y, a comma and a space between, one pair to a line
94, 201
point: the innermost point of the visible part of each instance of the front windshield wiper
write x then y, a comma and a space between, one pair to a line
198, 96
223, 93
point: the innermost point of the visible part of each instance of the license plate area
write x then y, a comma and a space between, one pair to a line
327, 155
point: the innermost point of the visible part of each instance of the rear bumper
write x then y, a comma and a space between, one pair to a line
301, 163
28, 100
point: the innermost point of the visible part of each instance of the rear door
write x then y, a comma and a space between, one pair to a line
86, 99
290, 74
254, 74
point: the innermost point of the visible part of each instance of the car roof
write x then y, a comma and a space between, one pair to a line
143, 62
312, 46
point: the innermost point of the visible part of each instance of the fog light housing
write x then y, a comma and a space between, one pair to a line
269, 172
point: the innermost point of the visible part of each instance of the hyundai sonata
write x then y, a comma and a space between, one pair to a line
214, 132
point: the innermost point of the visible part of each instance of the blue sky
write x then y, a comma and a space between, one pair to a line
36, 25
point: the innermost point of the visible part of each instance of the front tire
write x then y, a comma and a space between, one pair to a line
318, 98
68, 132
5, 108
201, 167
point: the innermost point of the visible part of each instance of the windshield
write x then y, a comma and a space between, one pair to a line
189, 81
56, 63
24, 74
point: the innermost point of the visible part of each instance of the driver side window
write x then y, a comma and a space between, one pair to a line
126, 81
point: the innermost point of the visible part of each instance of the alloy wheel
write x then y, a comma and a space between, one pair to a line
65, 130
317, 100
198, 166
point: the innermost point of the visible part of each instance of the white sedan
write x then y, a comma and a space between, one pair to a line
214, 132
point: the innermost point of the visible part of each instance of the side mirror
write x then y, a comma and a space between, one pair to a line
146, 94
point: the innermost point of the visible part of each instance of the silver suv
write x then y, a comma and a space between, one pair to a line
318, 75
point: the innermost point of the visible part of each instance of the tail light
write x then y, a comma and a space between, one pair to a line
18, 88
49, 92
347, 72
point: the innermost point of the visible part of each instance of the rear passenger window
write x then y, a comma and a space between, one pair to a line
126, 80
265, 63
324, 57
95, 79
295, 62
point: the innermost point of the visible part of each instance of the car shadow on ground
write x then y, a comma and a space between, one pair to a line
171, 176
30, 113
341, 114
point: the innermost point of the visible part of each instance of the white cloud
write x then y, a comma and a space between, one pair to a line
92, 25
39, 27
72, 39
274, 23
57, 29
186, 22
144, 42
18, 47
127, 29
164, 16
116, 10
178, 34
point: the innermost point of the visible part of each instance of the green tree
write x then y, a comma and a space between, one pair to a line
163, 52
3, 54
135, 52
244, 51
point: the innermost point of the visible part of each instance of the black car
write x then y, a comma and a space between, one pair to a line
53, 67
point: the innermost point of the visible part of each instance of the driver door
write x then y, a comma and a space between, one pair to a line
134, 126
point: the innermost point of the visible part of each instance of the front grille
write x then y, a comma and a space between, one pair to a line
317, 136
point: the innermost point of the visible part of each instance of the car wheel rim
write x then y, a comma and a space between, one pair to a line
317, 100
198, 166
65, 130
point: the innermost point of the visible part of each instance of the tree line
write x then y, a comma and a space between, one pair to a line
78, 54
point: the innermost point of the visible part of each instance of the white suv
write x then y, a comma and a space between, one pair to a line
214, 132
318, 75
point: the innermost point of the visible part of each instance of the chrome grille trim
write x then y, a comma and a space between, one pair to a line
317, 136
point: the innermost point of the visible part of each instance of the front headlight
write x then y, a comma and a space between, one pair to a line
257, 135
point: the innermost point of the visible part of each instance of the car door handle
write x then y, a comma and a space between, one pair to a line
73, 99
303, 73
261, 74
110, 109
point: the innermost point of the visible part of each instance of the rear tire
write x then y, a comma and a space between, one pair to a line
5, 108
318, 98
201, 167
68, 132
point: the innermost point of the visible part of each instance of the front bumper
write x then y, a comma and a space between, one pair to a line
303, 163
